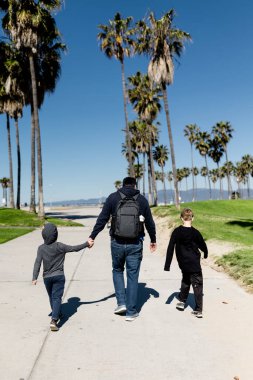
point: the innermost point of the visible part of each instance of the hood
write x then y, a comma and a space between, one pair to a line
49, 233
129, 191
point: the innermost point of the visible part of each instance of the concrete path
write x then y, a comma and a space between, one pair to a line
93, 343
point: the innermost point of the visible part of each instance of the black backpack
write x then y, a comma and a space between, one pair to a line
126, 221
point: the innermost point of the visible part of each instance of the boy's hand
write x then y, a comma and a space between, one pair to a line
90, 242
153, 247
34, 282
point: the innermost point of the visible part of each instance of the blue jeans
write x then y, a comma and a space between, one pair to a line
131, 255
55, 289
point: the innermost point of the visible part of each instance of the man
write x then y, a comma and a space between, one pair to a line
126, 250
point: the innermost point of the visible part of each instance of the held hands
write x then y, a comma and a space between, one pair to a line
34, 282
90, 242
153, 247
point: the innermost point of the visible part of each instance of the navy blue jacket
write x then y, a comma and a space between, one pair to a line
109, 209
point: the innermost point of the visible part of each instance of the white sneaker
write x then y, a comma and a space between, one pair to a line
131, 318
180, 305
120, 309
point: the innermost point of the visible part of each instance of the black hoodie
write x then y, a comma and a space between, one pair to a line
188, 241
109, 209
52, 253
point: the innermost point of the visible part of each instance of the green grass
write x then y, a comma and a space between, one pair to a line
239, 265
24, 222
7, 234
230, 221
222, 220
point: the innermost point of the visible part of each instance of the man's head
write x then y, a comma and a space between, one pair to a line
187, 215
129, 181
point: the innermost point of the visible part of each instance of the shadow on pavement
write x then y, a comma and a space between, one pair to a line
144, 294
68, 309
61, 215
190, 300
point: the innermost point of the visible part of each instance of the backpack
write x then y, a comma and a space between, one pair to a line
126, 223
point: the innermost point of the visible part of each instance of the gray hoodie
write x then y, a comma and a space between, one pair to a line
52, 253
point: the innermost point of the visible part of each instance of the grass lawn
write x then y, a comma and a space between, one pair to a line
230, 221
14, 223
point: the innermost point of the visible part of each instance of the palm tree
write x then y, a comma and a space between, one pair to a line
202, 144
170, 180
139, 131
162, 42
214, 174
29, 23
5, 184
216, 151
191, 131
118, 184
247, 163
195, 172
224, 132
160, 155
116, 40
146, 102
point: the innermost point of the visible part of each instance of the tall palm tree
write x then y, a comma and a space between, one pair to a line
160, 155
5, 184
162, 42
247, 163
145, 99
28, 23
216, 151
224, 131
139, 131
116, 40
202, 144
191, 131
214, 175
195, 172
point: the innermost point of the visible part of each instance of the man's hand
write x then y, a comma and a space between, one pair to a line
90, 242
153, 247
34, 282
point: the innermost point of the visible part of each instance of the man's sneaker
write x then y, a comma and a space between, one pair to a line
120, 309
53, 325
180, 305
131, 318
197, 314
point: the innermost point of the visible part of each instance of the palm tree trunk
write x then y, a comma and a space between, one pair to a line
193, 182
41, 212
164, 187
18, 164
32, 199
208, 177
12, 203
228, 175
172, 153
221, 195
153, 174
150, 198
128, 140
144, 173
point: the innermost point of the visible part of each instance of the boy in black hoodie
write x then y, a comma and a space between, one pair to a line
52, 254
188, 241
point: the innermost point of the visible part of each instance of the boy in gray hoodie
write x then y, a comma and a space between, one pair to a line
52, 254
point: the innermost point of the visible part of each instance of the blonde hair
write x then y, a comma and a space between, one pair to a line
187, 214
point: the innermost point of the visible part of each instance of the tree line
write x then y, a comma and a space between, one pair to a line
163, 43
30, 65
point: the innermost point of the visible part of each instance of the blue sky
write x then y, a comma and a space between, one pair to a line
82, 122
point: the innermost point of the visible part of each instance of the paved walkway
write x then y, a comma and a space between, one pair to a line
94, 344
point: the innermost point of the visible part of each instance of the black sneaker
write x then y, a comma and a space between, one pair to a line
53, 325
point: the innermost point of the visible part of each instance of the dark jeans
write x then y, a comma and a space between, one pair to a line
196, 280
131, 255
55, 289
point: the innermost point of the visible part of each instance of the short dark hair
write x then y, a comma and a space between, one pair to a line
129, 181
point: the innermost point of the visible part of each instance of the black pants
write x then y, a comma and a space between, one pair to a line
196, 280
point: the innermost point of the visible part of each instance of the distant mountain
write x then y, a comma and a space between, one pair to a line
186, 196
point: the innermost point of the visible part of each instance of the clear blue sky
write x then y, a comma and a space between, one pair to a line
82, 122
